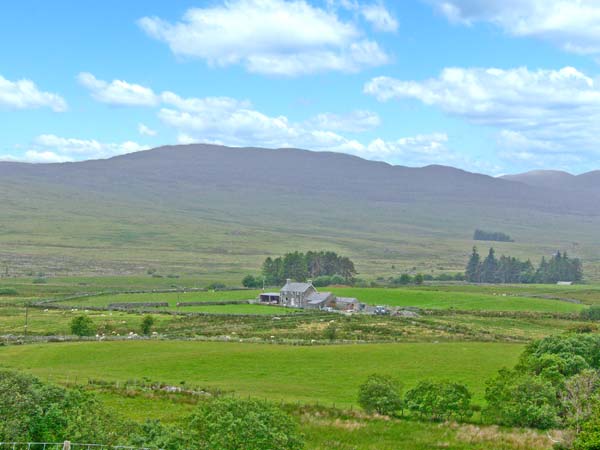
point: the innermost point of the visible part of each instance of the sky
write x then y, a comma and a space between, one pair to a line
484, 85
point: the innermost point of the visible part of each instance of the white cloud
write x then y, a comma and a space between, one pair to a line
144, 130
573, 25
539, 112
355, 122
380, 17
118, 92
24, 94
60, 149
270, 37
238, 124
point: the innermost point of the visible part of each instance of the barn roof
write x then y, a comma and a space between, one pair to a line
318, 297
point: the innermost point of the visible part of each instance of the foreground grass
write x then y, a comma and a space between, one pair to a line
326, 374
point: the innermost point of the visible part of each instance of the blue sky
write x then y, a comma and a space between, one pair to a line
488, 86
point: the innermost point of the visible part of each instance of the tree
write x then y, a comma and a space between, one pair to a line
473, 270
578, 397
439, 400
32, 411
489, 268
83, 326
230, 424
251, 281
147, 323
381, 394
523, 400
419, 279
331, 332
589, 437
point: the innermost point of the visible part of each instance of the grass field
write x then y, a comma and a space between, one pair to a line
442, 299
326, 374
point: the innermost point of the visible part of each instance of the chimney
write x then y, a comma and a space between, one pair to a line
288, 281
309, 281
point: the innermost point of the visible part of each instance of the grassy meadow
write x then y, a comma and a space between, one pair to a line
308, 374
463, 333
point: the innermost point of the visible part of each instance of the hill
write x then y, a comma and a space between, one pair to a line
557, 179
215, 211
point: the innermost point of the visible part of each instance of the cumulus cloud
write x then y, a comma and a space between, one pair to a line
238, 124
24, 94
52, 148
571, 24
380, 17
118, 92
271, 37
539, 112
145, 130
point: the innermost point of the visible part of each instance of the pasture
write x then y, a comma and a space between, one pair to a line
428, 298
307, 374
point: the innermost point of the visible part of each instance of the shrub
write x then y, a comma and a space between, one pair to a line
8, 291
591, 313
40, 280
215, 286
381, 394
251, 281
82, 326
517, 399
337, 279
403, 279
232, 424
330, 332
440, 400
322, 281
589, 437
419, 279
33, 411
146, 325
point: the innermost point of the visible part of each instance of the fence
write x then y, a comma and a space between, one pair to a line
66, 445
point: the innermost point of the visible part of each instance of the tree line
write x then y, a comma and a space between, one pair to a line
508, 269
498, 236
555, 384
302, 266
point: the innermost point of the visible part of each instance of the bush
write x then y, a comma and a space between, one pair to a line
231, 424
146, 325
591, 313
33, 411
251, 281
215, 286
322, 281
589, 437
83, 326
516, 399
403, 279
381, 394
440, 400
8, 291
419, 279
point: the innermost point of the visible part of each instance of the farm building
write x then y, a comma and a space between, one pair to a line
305, 295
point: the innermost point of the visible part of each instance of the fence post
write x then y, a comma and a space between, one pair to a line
67, 445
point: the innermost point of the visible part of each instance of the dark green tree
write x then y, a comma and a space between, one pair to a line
83, 326
146, 325
473, 270
380, 394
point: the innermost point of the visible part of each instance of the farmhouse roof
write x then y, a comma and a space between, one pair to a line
318, 297
296, 287
346, 300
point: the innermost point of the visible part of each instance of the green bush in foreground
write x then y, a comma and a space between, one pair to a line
381, 394
516, 399
8, 291
33, 411
439, 401
232, 424
83, 326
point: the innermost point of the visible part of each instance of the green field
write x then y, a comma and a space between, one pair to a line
326, 374
442, 299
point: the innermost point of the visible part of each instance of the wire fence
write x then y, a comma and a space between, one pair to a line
66, 445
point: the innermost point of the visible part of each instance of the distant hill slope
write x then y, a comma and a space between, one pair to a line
209, 209
558, 180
